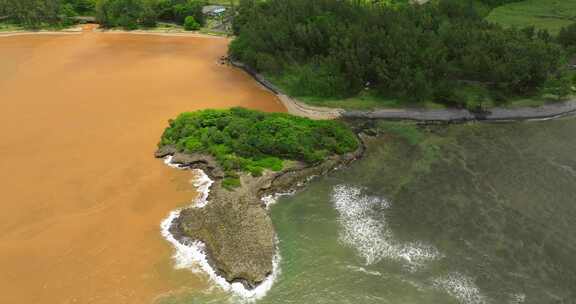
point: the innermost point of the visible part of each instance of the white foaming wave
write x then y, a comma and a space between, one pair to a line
371, 235
460, 287
168, 162
272, 199
364, 270
192, 254
202, 184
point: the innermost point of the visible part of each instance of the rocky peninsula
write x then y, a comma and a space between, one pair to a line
248, 155
235, 225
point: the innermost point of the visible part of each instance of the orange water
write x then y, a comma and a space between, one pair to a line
82, 196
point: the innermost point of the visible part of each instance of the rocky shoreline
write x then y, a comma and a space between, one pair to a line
235, 226
295, 107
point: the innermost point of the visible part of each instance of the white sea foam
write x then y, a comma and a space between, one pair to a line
364, 270
365, 229
168, 161
202, 184
192, 255
270, 200
460, 287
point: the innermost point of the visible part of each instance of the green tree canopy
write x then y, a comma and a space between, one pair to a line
246, 140
338, 49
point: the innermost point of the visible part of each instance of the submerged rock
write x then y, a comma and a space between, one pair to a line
235, 225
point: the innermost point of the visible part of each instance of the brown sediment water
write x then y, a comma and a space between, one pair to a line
82, 196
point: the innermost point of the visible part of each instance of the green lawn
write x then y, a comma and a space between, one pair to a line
551, 15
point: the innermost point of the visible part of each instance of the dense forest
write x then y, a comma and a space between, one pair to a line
129, 14
439, 51
35, 13
246, 140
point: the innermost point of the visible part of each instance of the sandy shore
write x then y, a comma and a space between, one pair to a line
162, 33
21, 33
87, 28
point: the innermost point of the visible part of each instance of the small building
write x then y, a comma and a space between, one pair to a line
213, 10
572, 63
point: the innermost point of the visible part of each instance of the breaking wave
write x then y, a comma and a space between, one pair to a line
365, 229
270, 200
461, 288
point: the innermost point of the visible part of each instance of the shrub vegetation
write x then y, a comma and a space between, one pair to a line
567, 37
34, 14
190, 24
251, 141
146, 13
129, 14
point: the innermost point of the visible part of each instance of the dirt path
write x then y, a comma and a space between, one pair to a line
548, 111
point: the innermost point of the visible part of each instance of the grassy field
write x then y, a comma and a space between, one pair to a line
551, 15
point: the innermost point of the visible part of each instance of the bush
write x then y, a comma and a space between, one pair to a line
319, 79
230, 183
190, 24
272, 163
67, 12
127, 22
567, 36
193, 145
255, 170
558, 87
119, 13
149, 12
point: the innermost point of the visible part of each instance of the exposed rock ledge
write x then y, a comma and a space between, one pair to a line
235, 225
